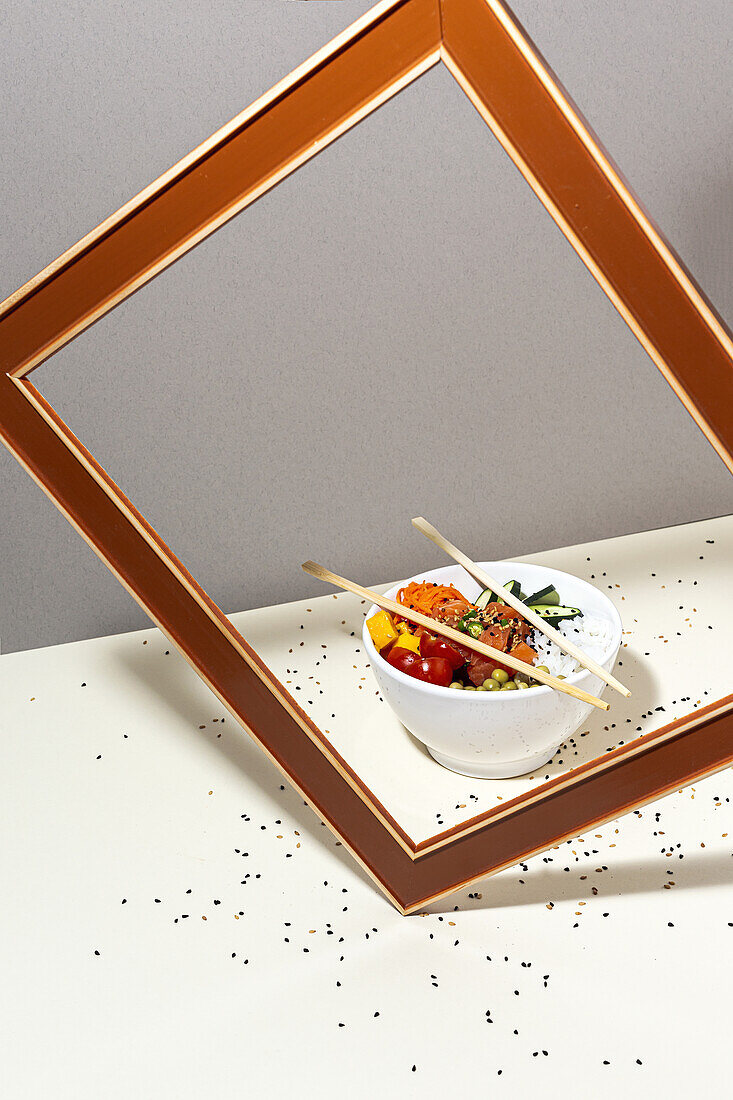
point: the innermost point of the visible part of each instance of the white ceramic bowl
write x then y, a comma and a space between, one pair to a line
487, 734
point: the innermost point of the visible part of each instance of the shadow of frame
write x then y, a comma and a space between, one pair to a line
620, 877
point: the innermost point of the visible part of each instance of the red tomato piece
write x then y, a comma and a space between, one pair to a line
402, 659
430, 646
433, 670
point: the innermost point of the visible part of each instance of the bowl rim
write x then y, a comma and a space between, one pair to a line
538, 691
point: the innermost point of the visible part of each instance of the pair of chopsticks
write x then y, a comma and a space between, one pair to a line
531, 616
466, 640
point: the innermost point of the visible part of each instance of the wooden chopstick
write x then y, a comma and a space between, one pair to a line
436, 627
531, 616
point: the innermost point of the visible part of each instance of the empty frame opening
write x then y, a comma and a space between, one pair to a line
397, 327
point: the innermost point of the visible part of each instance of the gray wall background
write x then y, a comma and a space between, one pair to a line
257, 401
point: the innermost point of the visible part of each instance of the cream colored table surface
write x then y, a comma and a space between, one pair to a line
175, 923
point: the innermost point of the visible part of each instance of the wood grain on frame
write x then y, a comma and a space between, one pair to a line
531, 115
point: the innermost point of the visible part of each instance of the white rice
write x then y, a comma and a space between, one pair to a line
591, 633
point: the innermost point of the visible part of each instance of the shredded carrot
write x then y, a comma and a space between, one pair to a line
427, 597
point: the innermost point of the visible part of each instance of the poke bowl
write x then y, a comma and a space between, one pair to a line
488, 722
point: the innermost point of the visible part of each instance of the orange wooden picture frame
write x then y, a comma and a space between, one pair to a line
526, 108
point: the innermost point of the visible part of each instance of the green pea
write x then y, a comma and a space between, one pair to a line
491, 684
457, 684
521, 685
509, 686
500, 675
542, 668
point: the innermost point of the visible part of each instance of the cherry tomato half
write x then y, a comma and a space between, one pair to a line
402, 659
430, 646
433, 670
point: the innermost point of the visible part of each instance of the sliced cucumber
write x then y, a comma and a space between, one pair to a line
489, 596
547, 595
486, 597
554, 613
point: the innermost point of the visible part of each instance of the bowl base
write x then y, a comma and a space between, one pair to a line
507, 770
